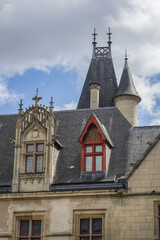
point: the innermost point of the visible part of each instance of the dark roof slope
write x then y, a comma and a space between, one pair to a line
101, 70
69, 126
126, 86
7, 131
129, 143
139, 140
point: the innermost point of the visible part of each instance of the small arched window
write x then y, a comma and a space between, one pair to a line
93, 150
93, 147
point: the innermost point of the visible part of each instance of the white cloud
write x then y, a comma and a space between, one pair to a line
67, 106
6, 95
41, 34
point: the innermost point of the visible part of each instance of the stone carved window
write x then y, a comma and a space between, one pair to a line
91, 228
29, 229
34, 157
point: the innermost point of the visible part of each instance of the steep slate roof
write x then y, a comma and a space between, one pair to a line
129, 143
7, 131
126, 86
101, 70
139, 140
70, 124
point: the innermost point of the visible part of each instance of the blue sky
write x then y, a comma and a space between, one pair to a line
58, 83
48, 44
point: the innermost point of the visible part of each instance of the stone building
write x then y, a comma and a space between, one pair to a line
84, 174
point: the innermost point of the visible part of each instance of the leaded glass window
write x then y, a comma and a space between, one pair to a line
40, 147
89, 163
39, 163
30, 229
24, 228
89, 149
36, 227
30, 148
84, 226
98, 163
91, 229
93, 150
99, 148
29, 163
34, 157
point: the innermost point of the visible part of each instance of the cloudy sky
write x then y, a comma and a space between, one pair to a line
48, 44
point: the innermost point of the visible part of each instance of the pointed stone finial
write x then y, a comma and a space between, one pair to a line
109, 37
51, 105
20, 108
126, 59
94, 38
36, 98
94, 44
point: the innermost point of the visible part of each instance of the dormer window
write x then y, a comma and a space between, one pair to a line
34, 157
93, 150
95, 146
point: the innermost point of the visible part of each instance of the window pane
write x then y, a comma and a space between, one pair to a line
39, 163
89, 163
89, 149
98, 163
96, 238
24, 228
36, 227
97, 226
40, 147
84, 226
99, 148
84, 238
95, 134
29, 164
30, 147
23, 238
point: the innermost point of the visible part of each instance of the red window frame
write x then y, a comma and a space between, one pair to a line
26, 163
34, 155
37, 147
101, 140
80, 226
30, 230
21, 228
96, 233
93, 154
27, 147
91, 233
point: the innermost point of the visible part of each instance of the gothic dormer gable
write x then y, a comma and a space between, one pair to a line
96, 147
34, 148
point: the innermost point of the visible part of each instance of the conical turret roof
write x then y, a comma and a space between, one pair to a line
126, 85
101, 71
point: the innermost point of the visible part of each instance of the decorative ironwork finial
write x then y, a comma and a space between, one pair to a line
94, 37
20, 107
51, 105
109, 36
126, 55
36, 98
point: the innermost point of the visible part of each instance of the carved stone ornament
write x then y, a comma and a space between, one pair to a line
35, 133
54, 138
12, 140
31, 178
